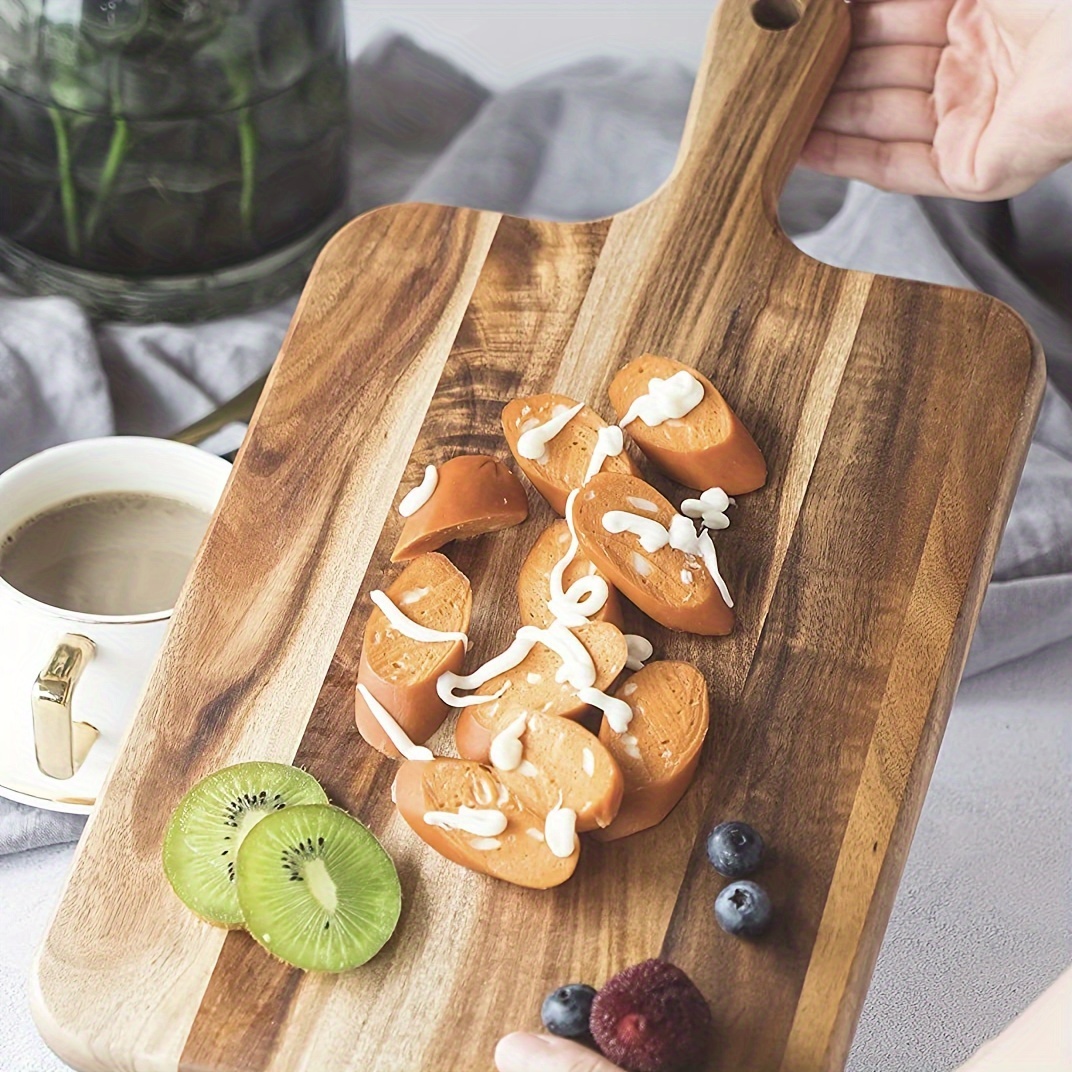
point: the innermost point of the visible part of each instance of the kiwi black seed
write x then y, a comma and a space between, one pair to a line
317, 889
209, 825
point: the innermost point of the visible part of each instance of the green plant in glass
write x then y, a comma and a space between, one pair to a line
169, 137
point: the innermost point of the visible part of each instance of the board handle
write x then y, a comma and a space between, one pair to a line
767, 68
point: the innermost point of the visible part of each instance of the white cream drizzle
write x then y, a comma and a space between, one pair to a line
710, 508
629, 746
416, 497
588, 762
412, 595
651, 534
638, 503
408, 627
641, 564
640, 650
480, 822
618, 713
397, 735
686, 576
506, 750
609, 444
587, 595
681, 536
536, 835
533, 443
666, 399
559, 831
486, 844
533, 679
577, 669
528, 769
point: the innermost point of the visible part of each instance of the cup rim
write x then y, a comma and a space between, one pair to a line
155, 443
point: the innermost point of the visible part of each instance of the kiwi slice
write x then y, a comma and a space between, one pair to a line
210, 823
317, 889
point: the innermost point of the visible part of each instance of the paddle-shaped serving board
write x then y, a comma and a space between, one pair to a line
895, 418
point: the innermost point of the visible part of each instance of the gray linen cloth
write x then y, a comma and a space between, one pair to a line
587, 141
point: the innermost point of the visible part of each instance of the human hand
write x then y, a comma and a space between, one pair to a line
522, 1052
950, 98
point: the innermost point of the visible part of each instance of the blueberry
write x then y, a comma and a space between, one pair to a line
743, 908
734, 849
566, 1010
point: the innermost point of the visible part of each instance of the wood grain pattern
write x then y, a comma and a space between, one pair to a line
894, 416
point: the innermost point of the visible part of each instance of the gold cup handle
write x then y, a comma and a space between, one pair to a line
61, 743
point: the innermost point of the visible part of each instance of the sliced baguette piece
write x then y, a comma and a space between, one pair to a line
402, 672
519, 854
707, 448
561, 763
532, 687
660, 751
534, 580
474, 494
667, 585
567, 455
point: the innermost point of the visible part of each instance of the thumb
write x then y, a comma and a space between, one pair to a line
522, 1052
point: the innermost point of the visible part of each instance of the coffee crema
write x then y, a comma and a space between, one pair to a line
116, 553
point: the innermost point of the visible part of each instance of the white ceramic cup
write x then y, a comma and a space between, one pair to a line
110, 655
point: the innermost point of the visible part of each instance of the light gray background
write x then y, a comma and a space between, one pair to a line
502, 42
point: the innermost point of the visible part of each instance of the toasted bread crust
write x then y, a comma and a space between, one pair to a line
694, 605
706, 448
474, 494
401, 672
568, 454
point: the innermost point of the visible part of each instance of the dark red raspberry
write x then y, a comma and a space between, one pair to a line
651, 1018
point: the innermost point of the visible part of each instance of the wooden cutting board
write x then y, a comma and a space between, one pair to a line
895, 417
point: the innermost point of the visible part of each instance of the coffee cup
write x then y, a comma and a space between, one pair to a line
96, 537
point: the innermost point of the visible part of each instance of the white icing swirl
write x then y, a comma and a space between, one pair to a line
480, 822
506, 750
396, 734
609, 444
681, 536
640, 650
710, 508
618, 713
416, 497
666, 399
408, 627
533, 443
653, 536
587, 595
560, 832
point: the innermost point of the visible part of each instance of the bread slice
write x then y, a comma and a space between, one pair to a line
709, 447
402, 672
474, 494
534, 580
568, 454
518, 854
560, 762
531, 687
669, 585
660, 751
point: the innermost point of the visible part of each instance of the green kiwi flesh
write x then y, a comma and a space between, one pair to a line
317, 889
203, 837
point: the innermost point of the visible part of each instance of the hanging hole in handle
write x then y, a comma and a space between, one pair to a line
776, 14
